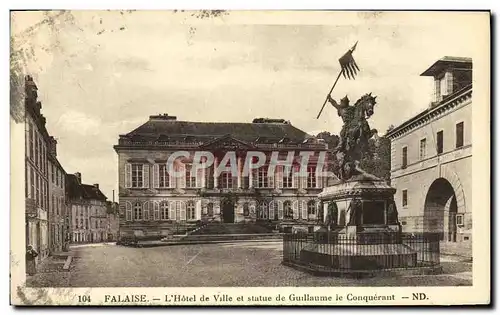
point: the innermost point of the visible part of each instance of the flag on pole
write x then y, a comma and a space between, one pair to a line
348, 65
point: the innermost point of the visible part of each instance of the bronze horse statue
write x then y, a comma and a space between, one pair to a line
355, 131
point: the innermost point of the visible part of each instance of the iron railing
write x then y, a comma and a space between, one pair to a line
340, 253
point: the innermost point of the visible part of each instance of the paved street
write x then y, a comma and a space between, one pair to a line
238, 264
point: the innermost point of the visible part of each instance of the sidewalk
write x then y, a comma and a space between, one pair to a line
461, 249
54, 269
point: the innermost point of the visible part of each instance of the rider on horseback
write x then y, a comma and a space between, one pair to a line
345, 111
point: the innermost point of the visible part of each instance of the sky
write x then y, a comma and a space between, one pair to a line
102, 73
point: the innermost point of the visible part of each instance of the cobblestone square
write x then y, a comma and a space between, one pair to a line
242, 264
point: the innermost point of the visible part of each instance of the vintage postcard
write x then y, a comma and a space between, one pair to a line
219, 157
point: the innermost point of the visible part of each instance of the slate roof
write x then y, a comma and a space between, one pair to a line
447, 61
82, 191
164, 130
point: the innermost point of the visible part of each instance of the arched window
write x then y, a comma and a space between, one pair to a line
287, 210
263, 210
311, 208
164, 210
246, 209
210, 209
137, 211
191, 214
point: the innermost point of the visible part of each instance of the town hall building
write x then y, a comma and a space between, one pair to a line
431, 156
153, 202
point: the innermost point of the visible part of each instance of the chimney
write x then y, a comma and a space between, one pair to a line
96, 186
53, 146
79, 177
162, 117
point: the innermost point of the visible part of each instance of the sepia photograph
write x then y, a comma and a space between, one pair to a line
261, 157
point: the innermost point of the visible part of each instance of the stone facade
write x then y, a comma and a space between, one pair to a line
431, 157
89, 219
37, 173
154, 203
58, 223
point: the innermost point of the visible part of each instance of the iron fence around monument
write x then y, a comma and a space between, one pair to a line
332, 252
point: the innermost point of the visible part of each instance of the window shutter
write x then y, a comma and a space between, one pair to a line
145, 207
145, 175
303, 180
198, 210
255, 178
203, 179
318, 209
279, 176
280, 209
319, 178
272, 206
182, 176
270, 178
128, 175
295, 208
156, 176
156, 211
128, 211
304, 210
183, 211
199, 177
295, 176
172, 210
171, 180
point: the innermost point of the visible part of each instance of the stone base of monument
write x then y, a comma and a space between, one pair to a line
362, 234
355, 258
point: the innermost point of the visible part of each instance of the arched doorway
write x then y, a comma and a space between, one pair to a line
440, 210
228, 211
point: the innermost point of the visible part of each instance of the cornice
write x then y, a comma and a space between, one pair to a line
431, 115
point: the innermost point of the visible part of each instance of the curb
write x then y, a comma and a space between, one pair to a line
67, 263
202, 242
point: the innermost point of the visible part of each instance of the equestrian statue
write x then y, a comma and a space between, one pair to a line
355, 133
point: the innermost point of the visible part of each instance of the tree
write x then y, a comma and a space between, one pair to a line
377, 160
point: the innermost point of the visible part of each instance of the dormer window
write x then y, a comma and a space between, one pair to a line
443, 86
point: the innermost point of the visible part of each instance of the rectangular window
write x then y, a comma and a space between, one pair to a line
311, 177
262, 179
39, 152
439, 142
287, 178
31, 141
191, 213
423, 148
57, 176
405, 157
405, 197
52, 171
209, 177
226, 180
32, 180
36, 149
245, 181
37, 181
190, 179
137, 181
460, 220
459, 134
164, 177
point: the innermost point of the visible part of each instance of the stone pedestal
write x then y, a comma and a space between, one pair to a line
363, 232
